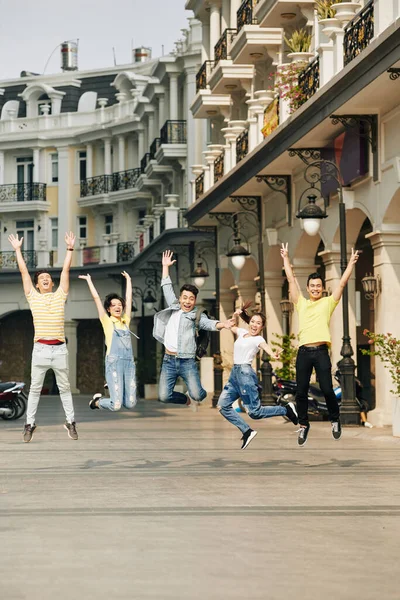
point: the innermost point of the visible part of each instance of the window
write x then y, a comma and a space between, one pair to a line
54, 168
25, 229
82, 228
82, 164
54, 233
108, 224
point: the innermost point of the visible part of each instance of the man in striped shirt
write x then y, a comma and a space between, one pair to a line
49, 350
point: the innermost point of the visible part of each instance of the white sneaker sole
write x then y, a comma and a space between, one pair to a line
251, 437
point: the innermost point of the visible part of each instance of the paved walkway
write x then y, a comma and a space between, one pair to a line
161, 504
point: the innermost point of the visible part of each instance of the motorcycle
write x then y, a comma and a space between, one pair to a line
13, 400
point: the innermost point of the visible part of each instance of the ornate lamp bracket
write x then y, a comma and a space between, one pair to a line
307, 155
280, 183
394, 73
248, 203
351, 122
224, 219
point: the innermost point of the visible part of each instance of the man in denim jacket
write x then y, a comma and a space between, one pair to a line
175, 328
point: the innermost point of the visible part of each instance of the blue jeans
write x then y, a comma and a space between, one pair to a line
243, 383
186, 368
120, 373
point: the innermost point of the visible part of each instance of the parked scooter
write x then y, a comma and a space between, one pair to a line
13, 400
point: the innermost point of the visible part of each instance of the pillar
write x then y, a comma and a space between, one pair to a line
150, 118
226, 16
171, 211
173, 96
89, 160
107, 156
215, 28
121, 153
1, 167
161, 111
205, 42
235, 5
140, 145
72, 345
36, 165
273, 296
63, 200
384, 15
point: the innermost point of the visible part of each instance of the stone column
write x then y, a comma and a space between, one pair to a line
72, 345
273, 296
36, 165
107, 156
150, 118
386, 247
173, 96
161, 111
140, 145
210, 155
190, 92
205, 42
121, 153
89, 160
235, 5
1, 167
384, 14
225, 15
63, 200
215, 28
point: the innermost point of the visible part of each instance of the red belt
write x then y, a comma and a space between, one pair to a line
51, 342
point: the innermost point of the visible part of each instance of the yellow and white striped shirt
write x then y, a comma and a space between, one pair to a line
48, 314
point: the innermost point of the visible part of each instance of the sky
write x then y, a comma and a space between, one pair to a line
30, 31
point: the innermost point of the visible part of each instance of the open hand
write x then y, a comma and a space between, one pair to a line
70, 239
229, 323
167, 258
126, 275
14, 241
86, 277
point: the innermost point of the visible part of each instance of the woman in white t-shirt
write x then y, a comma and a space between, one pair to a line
243, 382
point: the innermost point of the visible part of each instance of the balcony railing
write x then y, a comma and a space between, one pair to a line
144, 162
92, 186
359, 32
245, 14
242, 145
91, 255
156, 143
8, 259
22, 192
125, 251
173, 132
199, 185
203, 75
309, 80
219, 167
123, 180
223, 46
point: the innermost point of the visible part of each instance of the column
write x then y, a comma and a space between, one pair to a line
386, 247
150, 118
36, 165
273, 296
63, 200
384, 14
226, 307
140, 145
215, 28
192, 140
121, 153
226, 16
89, 160
72, 345
161, 111
1, 167
107, 156
235, 5
205, 41
173, 96
171, 211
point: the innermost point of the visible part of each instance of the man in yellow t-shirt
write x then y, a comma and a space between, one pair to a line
314, 341
49, 350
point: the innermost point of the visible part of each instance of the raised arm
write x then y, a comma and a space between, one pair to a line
293, 287
264, 346
212, 325
167, 262
26, 278
166, 286
64, 280
128, 294
337, 293
95, 295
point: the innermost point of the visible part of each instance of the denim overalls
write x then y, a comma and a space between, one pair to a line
120, 372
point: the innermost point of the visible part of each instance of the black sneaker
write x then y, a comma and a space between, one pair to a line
105, 386
71, 428
336, 430
93, 402
291, 413
303, 434
28, 432
247, 437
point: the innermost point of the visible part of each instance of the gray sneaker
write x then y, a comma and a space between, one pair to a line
71, 428
28, 432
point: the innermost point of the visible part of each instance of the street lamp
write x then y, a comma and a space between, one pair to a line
238, 254
286, 309
314, 176
148, 301
199, 274
371, 286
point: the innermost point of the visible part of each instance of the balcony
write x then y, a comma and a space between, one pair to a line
223, 46
145, 162
199, 185
242, 145
124, 180
16, 197
358, 33
203, 75
156, 143
173, 132
95, 186
225, 75
309, 81
245, 14
8, 259
219, 167
269, 12
125, 251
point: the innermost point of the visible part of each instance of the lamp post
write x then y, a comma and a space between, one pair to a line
312, 215
148, 301
286, 309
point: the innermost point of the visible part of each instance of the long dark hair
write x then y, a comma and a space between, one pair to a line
247, 318
107, 301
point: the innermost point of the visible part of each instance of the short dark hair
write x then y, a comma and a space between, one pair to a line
247, 318
41, 272
108, 299
315, 276
188, 287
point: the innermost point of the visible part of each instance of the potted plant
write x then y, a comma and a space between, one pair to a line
345, 11
299, 44
387, 348
327, 17
287, 84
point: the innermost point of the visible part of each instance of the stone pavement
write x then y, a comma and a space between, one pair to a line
160, 503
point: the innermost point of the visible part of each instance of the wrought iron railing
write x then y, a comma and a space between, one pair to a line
22, 192
203, 75
92, 186
125, 251
219, 167
144, 162
155, 144
199, 185
8, 259
123, 180
245, 14
309, 80
91, 255
223, 46
358, 32
173, 132
162, 222
242, 145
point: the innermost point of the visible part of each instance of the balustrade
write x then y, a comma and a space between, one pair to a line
242, 145
358, 32
309, 80
23, 192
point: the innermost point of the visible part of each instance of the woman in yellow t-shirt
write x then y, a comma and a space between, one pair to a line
115, 316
